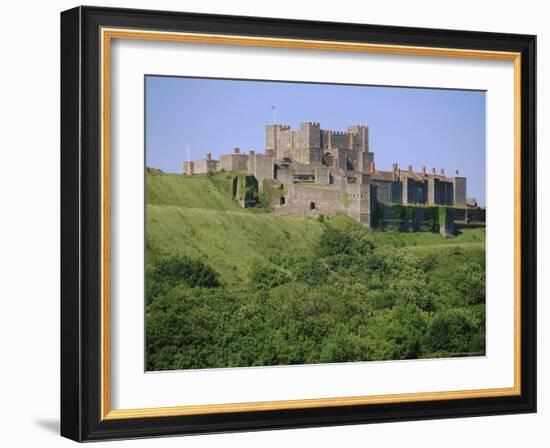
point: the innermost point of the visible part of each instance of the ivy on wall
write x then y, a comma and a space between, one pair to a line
402, 217
245, 189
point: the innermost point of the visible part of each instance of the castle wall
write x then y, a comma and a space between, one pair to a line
364, 159
325, 172
396, 192
359, 137
388, 192
351, 160
310, 134
339, 140
322, 175
262, 167
452, 215
431, 190
444, 193
310, 200
383, 191
360, 204
416, 192
188, 168
475, 215
416, 223
233, 162
406, 190
203, 166
459, 190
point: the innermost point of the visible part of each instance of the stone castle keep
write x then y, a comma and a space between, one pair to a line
313, 171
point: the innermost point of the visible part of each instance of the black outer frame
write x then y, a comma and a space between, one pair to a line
81, 207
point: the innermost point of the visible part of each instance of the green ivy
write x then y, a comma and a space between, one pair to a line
431, 218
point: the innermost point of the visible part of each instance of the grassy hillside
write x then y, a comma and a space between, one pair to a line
231, 241
202, 191
197, 217
229, 286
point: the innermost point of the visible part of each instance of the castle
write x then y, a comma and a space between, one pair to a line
316, 171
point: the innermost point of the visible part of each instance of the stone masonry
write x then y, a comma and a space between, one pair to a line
316, 171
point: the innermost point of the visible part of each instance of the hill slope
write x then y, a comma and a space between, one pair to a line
196, 216
233, 287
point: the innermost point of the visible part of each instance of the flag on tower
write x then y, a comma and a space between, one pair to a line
274, 117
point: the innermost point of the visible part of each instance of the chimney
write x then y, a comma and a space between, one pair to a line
410, 167
236, 150
251, 153
394, 171
424, 170
442, 171
456, 173
372, 168
208, 156
433, 171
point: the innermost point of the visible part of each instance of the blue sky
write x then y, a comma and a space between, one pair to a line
411, 126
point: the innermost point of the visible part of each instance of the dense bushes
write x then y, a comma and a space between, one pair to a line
350, 299
170, 272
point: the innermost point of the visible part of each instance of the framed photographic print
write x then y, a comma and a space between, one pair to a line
273, 223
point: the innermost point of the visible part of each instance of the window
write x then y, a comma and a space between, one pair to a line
312, 205
282, 200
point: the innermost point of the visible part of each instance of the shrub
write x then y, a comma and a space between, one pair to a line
312, 272
454, 331
334, 242
169, 272
469, 281
267, 276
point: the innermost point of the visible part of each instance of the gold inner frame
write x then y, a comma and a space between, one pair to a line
107, 35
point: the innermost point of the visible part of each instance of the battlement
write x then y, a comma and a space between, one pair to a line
318, 166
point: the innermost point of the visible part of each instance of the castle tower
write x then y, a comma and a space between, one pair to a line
358, 137
459, 190
308, 147
271, 133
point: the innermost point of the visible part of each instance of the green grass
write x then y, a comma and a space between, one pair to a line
230, 241
201, 191
406, 239
297, 290
196, 216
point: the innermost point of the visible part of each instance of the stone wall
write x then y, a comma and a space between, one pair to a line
410, 218
359, 137
205, 165
388, 192
459, 188
309, 200
360, 203
262, 167
233, 162
444, 193
188, 168
475, 215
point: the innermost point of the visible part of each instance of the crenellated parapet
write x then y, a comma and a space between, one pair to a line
324, 171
